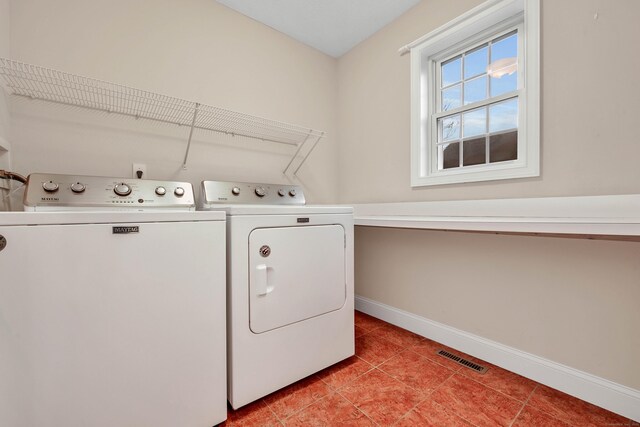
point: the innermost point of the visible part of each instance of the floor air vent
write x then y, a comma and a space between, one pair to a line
464, 362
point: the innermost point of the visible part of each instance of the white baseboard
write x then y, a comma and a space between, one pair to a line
599, 391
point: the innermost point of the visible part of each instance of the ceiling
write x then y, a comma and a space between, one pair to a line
331, 26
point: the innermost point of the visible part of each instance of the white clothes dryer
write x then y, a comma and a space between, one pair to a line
112, 306
290, 294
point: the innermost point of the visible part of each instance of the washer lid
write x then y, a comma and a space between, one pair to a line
104, 217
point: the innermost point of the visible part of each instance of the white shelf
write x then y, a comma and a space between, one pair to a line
611, 217
40, 83
544, 226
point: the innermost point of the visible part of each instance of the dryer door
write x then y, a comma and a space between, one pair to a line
295, 273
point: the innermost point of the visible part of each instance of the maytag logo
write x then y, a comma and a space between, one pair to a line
49, 199
126, 229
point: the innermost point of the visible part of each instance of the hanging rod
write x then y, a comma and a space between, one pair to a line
45, 84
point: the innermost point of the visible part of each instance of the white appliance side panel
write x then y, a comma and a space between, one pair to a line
103, 329
301, 277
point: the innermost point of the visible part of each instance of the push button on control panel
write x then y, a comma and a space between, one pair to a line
161, 191
179, 191
235, 191
260, 191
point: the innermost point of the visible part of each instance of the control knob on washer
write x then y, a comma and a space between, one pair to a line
161, 191
78, 187
235, 191
281, 193
122, 189
50, 187
260, 191
292, 193
179, 191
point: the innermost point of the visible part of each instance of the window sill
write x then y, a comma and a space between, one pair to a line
497, 171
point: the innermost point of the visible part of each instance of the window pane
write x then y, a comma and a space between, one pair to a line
451, 98
503, 115
451, 71
449, 155
475, 90
475, 63
505, 48
474, 152
504, 65
503, 147
504, 84
475, 122
449, 128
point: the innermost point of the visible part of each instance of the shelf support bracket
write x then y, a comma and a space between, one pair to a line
300, 149
193, 124
297, 152
309, 152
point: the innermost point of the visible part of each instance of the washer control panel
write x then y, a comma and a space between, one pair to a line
225, 192
49, 192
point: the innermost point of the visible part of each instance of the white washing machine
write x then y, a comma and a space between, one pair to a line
289, 285
112, 306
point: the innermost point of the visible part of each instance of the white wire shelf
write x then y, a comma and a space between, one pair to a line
45, 84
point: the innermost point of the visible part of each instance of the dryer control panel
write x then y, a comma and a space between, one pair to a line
51, 192
226, 192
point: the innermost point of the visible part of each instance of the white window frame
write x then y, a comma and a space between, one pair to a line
488, 20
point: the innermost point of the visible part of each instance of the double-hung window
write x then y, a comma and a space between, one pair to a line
475, 90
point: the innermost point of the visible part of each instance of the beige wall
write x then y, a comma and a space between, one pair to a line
4, 108
589, 106
193, 49
571, 301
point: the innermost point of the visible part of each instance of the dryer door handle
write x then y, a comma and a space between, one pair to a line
262, 280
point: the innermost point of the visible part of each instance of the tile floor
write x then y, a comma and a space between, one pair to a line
396, 379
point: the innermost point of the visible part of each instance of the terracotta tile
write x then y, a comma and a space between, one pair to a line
504, 381
430, 413
397, 335
344, 372
332, 410
572, 410
253, 414
291, 399
531, 417
416, 371
357, 330
366, 322
374, 349
475, 402
428, 349
382, 398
